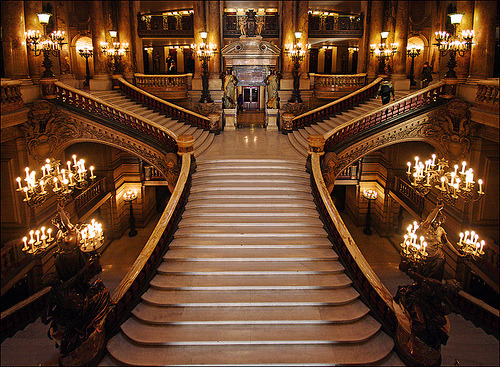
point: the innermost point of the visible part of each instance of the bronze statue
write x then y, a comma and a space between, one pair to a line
272, 81
230, 83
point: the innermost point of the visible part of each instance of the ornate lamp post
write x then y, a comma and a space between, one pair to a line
86, 53
454, 44
413, 51
115, 53
296, 52
369, 195
129, 197
382, 52
48, 45
204, 51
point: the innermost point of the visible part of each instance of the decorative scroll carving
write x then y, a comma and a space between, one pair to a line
328, 164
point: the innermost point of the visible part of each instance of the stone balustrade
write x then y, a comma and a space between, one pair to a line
336, 86
487, 95
11, 99
164, 86
89, 195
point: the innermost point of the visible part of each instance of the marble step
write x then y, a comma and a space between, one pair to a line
199, 149
368, 352
248, 282
305, 242
245, 254
246, 174
250, 268
237, 187
251, 194
249, 180
295, 143
262, 204
250, 298
280, 334
285, 167
209, 220
346, 313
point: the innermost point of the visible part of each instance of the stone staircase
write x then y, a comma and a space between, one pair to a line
298, 138
203, 138
250, 278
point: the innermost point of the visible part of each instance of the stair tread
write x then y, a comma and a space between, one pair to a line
250, 221
250, 254
277, 241
368, 352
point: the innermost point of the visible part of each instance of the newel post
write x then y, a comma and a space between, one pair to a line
287, 123
316, 146
185, 145
214, 123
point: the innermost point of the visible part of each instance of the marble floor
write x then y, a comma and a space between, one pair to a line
468, 345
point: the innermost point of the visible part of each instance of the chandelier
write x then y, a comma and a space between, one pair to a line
116, 52
62, 181
414, 250
43, 44
450, 183
381, 50
297, 51
204, 51
469, 243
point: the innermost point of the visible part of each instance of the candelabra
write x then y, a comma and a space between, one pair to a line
451, 185
90, 236
382, 52
129, 197
115, 53
413, 251
204, 52
369, 195
37, 243
471, 245
454, 44
86, 53
62, 181
43, 44
297, 52
413, 51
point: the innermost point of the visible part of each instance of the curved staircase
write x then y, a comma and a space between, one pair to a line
298, 138
250, 279
203, 138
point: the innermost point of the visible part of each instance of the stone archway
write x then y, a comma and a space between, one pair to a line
420, 42
78, 67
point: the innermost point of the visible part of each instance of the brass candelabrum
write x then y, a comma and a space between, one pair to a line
204, 51
297, 52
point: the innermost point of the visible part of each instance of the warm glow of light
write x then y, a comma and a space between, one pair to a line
113, 34
43, 18
455, 18
384, 35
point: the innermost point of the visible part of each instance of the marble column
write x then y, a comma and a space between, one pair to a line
62, 23
136, 42
483, 52
364, 49
400, 81
15, 55
288, 37
125, 35
101, 79
376, 19
31, 9
463, 62
303, 26
213, 29
198, 26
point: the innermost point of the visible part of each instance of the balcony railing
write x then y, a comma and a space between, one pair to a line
164, 86
330, 86
231, 28
166, 24
409, 195
343, 134
90, 196
335, 25
11, 99
337, 106
162, 106
487, 95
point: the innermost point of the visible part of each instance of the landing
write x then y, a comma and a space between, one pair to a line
250, 142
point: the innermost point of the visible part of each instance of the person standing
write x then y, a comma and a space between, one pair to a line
426, 77
385, 91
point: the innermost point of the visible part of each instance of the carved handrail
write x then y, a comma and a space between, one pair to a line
162, 106
11, 99
334, 83
487, 94
406, 190
89, 194
174, 82
368, 283
80, 100
136, 281
379, 116
337, 106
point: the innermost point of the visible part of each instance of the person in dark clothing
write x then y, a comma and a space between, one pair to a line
240, 102
385, 91
426, 77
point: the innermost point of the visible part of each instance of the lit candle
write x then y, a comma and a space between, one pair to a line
425, 246
433, 160
43, 240
466, 235
461, 238
428, 177
32, 232
70, 178
25, 239
41, 184
409, 168
92, 172
456, 168
443, 179
74, 159
415, 178
27, 169
56, 187
69, 165
464, 163
63, 172
37, 232
19, 183
49, 232
481, 249
83, 164
43, 170
26, 192
480, 182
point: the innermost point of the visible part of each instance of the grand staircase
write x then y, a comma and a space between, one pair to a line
203, 139
250, 278
298, 138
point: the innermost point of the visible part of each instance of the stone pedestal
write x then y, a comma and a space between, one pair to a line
287, 123
185, 144
214, 123
450, 88
100, 82
48, 87
230, 119
30, 92
271, 119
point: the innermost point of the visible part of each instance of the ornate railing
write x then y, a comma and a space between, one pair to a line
90, 196
364, 278
404, 107
128, 293
337, 106
121, 119
11, 99
409, 195
164, 86
335, 25
231, 27
487, 95
177, 23
326, 85
162, 106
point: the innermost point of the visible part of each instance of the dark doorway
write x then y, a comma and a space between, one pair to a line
328, 61
313, 60
250, 98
